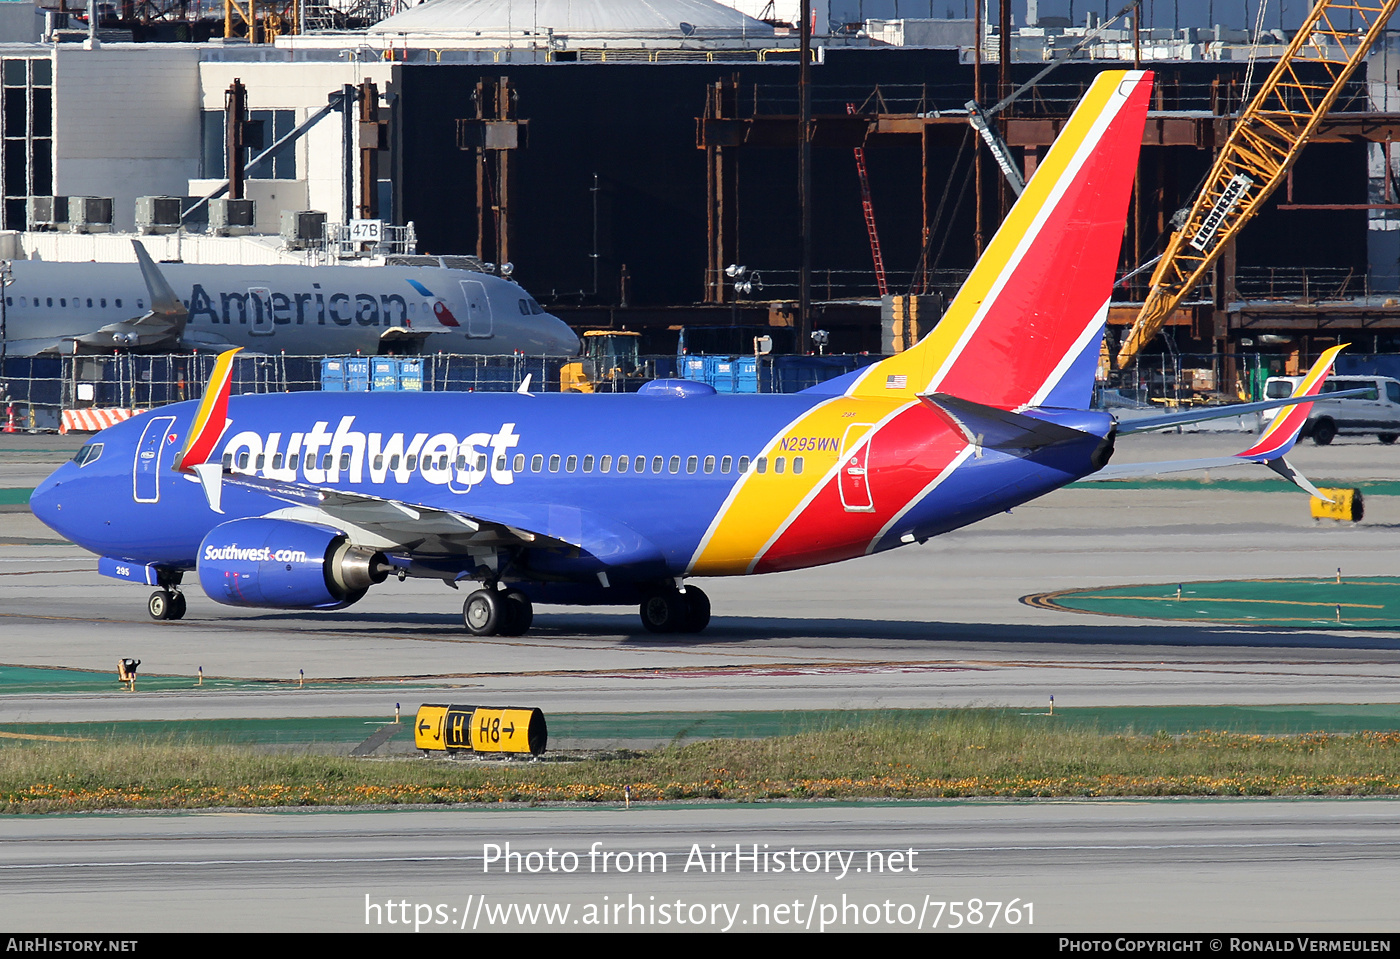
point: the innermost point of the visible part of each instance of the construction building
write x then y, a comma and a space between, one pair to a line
628, 159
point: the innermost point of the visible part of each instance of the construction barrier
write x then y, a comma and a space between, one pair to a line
93, 419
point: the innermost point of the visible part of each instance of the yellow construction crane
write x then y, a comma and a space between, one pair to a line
262, 22
1260, 151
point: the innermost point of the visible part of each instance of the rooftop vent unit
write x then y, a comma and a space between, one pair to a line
158, 214
231, 217
303, 229
48, 213
90, 214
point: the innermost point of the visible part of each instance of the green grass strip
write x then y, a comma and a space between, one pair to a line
682, 727
15, 497
974, 753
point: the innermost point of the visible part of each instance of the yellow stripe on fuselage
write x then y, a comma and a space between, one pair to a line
919, 364
762, 503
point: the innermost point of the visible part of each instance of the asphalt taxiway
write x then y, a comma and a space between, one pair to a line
1306, 866
941, 624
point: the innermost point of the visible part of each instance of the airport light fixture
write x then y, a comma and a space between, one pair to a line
745, 281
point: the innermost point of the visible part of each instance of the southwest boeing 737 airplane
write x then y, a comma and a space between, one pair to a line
307, 500
308, 310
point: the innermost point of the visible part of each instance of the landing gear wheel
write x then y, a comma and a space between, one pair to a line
665, 612
160, 604
698, 609
1324, 432
177, 606
1388, 438
520, 613
483, 613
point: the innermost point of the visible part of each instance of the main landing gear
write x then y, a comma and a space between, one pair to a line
674, 611
496, 612
166, 604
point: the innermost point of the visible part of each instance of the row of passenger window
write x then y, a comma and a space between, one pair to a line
63, 301
659, 464
570, 463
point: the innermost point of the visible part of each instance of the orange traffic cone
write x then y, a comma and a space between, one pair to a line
9, 419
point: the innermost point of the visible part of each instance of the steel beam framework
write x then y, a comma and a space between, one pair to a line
1266, 140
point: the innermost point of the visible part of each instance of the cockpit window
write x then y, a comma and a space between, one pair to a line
88, 454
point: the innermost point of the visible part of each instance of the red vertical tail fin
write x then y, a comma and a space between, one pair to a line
1026, 327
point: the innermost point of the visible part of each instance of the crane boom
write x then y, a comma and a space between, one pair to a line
1261, 149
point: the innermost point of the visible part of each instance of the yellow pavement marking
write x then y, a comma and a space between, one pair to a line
47, 739
1267, 602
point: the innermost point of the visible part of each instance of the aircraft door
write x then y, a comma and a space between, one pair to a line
478, 308
260, 307
149, 453
852, 477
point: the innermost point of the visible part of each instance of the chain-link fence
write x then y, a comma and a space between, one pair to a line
36, 390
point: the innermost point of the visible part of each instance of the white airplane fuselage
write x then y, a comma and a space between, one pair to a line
305, 310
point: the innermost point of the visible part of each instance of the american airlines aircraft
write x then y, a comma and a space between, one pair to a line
53, 307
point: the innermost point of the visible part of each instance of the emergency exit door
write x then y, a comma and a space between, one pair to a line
853, 476
478, 308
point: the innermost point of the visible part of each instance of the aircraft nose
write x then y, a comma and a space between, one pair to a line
45, 503
562, 341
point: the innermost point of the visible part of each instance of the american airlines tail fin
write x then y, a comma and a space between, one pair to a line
1026, 327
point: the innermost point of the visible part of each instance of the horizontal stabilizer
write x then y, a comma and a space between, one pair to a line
998, 429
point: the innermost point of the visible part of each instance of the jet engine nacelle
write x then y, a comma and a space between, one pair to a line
286, 565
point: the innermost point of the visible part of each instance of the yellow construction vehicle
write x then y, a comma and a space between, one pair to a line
611, 363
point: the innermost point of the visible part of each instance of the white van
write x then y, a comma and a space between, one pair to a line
1375, 411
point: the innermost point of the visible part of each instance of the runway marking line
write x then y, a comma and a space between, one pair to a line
1267, 602
1095, 601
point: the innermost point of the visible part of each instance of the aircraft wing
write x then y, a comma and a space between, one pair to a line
385, 523
1278, 464
162, 327
380, 522
1274, 442
1146, 424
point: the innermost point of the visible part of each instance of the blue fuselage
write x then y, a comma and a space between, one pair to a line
644, 488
